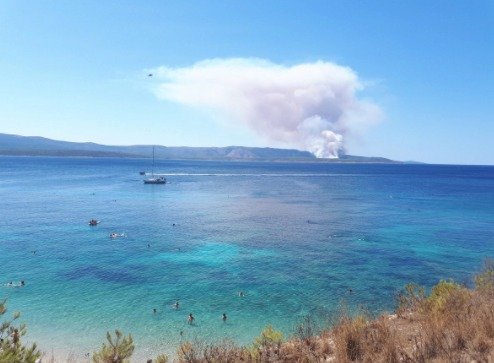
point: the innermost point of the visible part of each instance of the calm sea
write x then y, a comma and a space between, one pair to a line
295, 237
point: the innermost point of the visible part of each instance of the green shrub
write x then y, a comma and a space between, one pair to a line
485, 279
118, 351
11, 348
441, 292
268, 338
162, 358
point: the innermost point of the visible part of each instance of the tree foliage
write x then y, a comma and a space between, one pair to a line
441, 293
162, 358
485, 279
115, 351
269, 337
11, 348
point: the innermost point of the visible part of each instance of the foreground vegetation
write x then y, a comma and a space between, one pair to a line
450, 324
11, 348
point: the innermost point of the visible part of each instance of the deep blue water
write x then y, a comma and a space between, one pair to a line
294, 236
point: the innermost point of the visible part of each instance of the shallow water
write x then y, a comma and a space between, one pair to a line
294, 236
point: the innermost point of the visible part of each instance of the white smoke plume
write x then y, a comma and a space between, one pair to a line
313, 106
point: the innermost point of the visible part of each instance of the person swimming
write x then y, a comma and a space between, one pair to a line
241, 294
176, 305
224, 317
190, 319
154, 311
117, 235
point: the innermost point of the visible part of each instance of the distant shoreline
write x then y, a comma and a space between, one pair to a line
16, 145
288, 161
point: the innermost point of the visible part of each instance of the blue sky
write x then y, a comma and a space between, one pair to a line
77, 70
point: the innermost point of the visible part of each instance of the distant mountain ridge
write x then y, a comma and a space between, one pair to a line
40, 146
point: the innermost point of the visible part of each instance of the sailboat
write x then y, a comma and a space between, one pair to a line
155, 179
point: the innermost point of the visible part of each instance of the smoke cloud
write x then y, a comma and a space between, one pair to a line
313, 106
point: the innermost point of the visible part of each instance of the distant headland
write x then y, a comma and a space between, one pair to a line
16, 145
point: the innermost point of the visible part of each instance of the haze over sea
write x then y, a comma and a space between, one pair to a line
294, 236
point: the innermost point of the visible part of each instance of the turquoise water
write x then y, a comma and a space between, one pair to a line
295, 237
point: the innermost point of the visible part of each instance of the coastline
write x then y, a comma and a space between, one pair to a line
424, 327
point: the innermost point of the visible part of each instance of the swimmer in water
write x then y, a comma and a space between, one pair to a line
224, 317
23, 283
154, 310
241, 294
190, 319
149, 246
176, 305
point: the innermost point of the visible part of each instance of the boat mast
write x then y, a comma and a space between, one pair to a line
152, 171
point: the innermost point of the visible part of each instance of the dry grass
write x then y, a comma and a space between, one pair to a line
451, 324
461, 331
357, 339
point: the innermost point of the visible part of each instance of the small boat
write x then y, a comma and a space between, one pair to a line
154, 179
